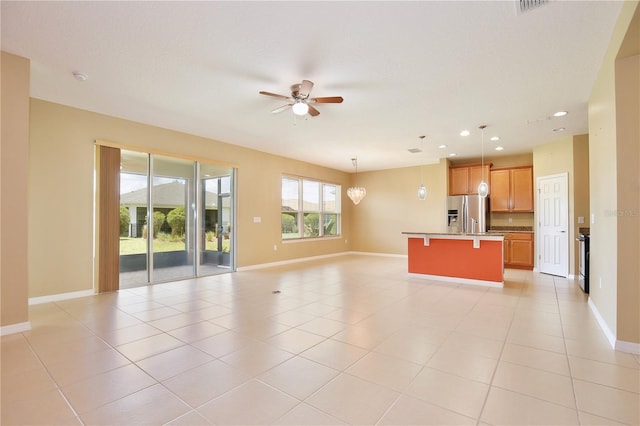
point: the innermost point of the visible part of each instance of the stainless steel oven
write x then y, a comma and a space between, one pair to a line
583, 240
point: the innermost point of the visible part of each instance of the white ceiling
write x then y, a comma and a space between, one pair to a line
405, 69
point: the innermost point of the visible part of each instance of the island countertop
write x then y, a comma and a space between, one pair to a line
476, 238
457, 235
467, 258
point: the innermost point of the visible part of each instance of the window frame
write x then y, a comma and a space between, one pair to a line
301, 212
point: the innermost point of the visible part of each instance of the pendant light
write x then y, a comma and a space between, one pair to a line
483, 188
422, 190
356, 193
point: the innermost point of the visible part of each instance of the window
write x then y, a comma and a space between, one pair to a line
310, 209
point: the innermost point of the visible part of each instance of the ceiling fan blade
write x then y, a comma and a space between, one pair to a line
280, 109
313, 112
328, 100
274, 95
305, 88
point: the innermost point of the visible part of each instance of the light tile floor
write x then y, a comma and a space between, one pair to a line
349, 340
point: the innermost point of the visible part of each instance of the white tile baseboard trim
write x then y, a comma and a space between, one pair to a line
60, 296
603, 325
306, 259
618, 345
286, 262
629, 347
15, 328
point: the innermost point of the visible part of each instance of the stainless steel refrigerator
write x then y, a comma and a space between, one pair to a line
467, 214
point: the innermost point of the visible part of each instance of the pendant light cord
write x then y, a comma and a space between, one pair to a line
482, 149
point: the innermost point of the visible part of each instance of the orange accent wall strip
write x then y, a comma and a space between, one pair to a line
457, 258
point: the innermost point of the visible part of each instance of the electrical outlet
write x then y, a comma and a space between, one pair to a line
275, 247
345, 241
510, 220
600, 283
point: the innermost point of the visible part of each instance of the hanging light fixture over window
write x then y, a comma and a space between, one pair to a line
422, 190
483, 188
356, 193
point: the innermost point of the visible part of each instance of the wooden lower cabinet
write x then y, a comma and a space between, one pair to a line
518, 251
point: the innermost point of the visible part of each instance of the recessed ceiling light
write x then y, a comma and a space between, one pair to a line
453, 154
442, 146
495, 138
559, 129
560, 114
499, 148
465, 133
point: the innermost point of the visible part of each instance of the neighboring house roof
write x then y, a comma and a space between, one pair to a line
170, 194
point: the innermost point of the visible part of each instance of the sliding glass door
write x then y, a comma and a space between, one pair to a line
189, 230
217, 209
173, 206
134, 199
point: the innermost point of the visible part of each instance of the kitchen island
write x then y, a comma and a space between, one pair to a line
456, 257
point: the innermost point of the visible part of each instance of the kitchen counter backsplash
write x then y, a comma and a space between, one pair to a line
512, 228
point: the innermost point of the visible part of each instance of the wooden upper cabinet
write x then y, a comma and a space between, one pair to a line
464, 180
512, 190
458, 181
476, 176
522, 189
499, 188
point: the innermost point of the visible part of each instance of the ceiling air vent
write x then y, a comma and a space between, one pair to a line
527, 5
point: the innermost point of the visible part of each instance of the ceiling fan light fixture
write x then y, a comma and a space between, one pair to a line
300, 108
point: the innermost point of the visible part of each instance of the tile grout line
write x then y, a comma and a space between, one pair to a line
58, 388
504, 343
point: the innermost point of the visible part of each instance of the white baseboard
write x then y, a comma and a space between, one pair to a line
603, 324
60, 296
368, 253
287, 262
629, 347
306, 259
618, 345
15, 328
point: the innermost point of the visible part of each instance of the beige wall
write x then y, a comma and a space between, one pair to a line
61, 193
580, 189
391, 207
14, 159
608, 138
628, 209
550, 159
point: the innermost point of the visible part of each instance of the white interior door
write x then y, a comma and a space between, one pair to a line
553, 224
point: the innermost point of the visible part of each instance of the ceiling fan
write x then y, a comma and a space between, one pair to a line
300, 102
